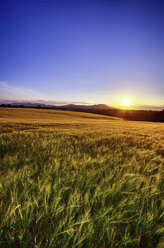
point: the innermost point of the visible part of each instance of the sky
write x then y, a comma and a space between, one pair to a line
82, 51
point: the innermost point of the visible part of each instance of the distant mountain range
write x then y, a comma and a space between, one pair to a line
147, 107
95, 106
55, 105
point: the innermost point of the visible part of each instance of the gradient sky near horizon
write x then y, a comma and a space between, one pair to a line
93, 51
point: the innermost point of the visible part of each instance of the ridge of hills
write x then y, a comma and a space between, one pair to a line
54, 104
156, 115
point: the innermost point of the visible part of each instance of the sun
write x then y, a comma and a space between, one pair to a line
126, 102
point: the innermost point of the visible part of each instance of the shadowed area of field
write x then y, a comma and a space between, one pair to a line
71, 179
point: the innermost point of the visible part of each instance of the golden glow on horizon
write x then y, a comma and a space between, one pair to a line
126, 102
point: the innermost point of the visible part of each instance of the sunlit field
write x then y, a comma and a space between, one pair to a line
72, 179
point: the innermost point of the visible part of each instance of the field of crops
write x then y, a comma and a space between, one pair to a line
80, 180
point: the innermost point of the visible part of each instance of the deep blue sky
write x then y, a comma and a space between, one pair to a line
95, 51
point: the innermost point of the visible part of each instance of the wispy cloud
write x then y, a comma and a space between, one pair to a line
10, 92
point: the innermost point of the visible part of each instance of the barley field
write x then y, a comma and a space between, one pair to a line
70, 179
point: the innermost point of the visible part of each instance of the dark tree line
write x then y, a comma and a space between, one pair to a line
142, 115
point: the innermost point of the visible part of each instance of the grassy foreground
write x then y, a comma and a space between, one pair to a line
80, 180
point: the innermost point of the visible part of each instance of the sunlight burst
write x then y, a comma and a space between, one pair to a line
126, 102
